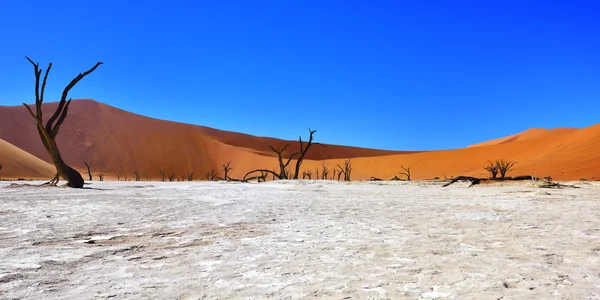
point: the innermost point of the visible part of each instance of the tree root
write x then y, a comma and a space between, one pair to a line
54, 181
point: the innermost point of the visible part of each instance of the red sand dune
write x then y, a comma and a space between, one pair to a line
18, 163
528, 134
119, 142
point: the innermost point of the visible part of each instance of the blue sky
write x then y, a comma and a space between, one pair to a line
404, 75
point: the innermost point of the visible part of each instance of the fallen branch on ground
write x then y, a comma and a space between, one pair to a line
475, 180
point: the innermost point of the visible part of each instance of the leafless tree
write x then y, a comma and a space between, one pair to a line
333, 175
303, 151
284, 171
210, 176
190, 175
263, 176
118, 176
307, 174
171, 176
49, 131
492, 168
283, 167
324, 172
163, 174
504, 166
101, 176
405, 173
226, 168
88, 165
137, 175
346, 170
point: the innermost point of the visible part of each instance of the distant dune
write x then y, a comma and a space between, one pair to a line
18, 163
119, 142
528, 134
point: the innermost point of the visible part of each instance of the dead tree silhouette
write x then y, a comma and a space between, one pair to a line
49, 131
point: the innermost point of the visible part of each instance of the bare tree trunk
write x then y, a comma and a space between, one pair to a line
49, 131
190, 176
303, 151
88, 165
405, 173
226, 168
346, 170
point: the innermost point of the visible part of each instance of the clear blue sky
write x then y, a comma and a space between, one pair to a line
405, 75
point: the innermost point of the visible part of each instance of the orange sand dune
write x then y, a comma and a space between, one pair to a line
569, 156
528, 134
18, 163
119, 142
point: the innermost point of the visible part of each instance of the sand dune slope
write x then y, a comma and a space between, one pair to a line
528, 134
569, 156
120, 142
18, 163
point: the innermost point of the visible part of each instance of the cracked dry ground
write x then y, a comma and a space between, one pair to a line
292, 240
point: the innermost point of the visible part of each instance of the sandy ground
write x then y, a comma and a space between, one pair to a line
292, 240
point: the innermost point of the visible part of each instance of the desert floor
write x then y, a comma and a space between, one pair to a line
302, 239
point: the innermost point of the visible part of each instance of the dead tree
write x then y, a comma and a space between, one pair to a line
88, 165
492, 168
504, 166
226, 168
346, 170
118, 176
556, 185
137, 175
49, 131
324, 172
263, 177
303, 151
210, 176
405, 173
333, 175
190, 175
171, 176
283, 167
163, 174
317, 174
473, 180
284, 172
307, 174
101, 176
